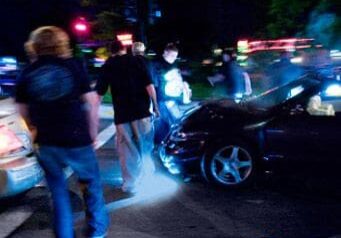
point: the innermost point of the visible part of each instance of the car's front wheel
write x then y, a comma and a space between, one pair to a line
229, 165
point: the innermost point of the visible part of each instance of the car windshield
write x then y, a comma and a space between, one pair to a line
282, 94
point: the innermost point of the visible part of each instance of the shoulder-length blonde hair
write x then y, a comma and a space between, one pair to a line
48, 40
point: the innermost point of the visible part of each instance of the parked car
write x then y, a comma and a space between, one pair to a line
228, 143
19, 169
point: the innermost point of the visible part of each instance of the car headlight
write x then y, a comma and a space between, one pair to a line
178, 135
333, 90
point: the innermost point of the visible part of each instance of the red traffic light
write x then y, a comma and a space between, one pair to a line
80, 26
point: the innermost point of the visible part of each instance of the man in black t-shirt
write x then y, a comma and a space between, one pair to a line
54, 97
132, 91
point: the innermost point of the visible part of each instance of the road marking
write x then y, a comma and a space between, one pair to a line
13, 218
106, 112
105, 135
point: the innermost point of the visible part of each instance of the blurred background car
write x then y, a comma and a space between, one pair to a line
19, 168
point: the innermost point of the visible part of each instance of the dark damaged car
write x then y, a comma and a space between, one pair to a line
228, 143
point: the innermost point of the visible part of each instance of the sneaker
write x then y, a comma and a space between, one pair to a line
99, 236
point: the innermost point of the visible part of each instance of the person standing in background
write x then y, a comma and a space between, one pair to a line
132, 92
235, 81
172, 90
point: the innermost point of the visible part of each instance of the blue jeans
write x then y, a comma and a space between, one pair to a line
83, 162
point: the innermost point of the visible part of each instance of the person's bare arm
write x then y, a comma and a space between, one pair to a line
92, 101
152, 94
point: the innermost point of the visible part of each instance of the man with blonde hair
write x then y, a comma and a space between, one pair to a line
54, 96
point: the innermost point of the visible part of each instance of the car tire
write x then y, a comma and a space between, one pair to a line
231, 164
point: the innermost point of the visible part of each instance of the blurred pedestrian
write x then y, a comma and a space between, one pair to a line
282, 71
172, 90
132, 92
53, 95
235, 81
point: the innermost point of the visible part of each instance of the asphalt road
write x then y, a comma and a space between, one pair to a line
276, 207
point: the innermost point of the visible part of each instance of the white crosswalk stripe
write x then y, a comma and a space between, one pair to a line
106, 112
105, 135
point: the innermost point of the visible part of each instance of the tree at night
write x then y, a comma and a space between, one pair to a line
319, 19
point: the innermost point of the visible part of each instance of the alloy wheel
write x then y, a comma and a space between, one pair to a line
231, 165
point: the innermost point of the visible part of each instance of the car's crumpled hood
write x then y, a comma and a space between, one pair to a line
217, 114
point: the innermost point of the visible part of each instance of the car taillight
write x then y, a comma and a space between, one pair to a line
9, 142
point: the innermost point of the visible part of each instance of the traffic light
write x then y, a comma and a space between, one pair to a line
80, 27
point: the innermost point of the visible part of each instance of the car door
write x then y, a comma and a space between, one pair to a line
290, 136
309, 141
327, 137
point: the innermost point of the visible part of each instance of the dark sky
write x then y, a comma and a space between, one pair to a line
19, 17
195, 23
199, 23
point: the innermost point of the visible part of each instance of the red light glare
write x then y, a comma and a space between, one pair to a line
80, 27
126, 39
289, 44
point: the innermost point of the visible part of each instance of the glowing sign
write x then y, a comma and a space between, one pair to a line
126, 39
242, 46
290, 44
